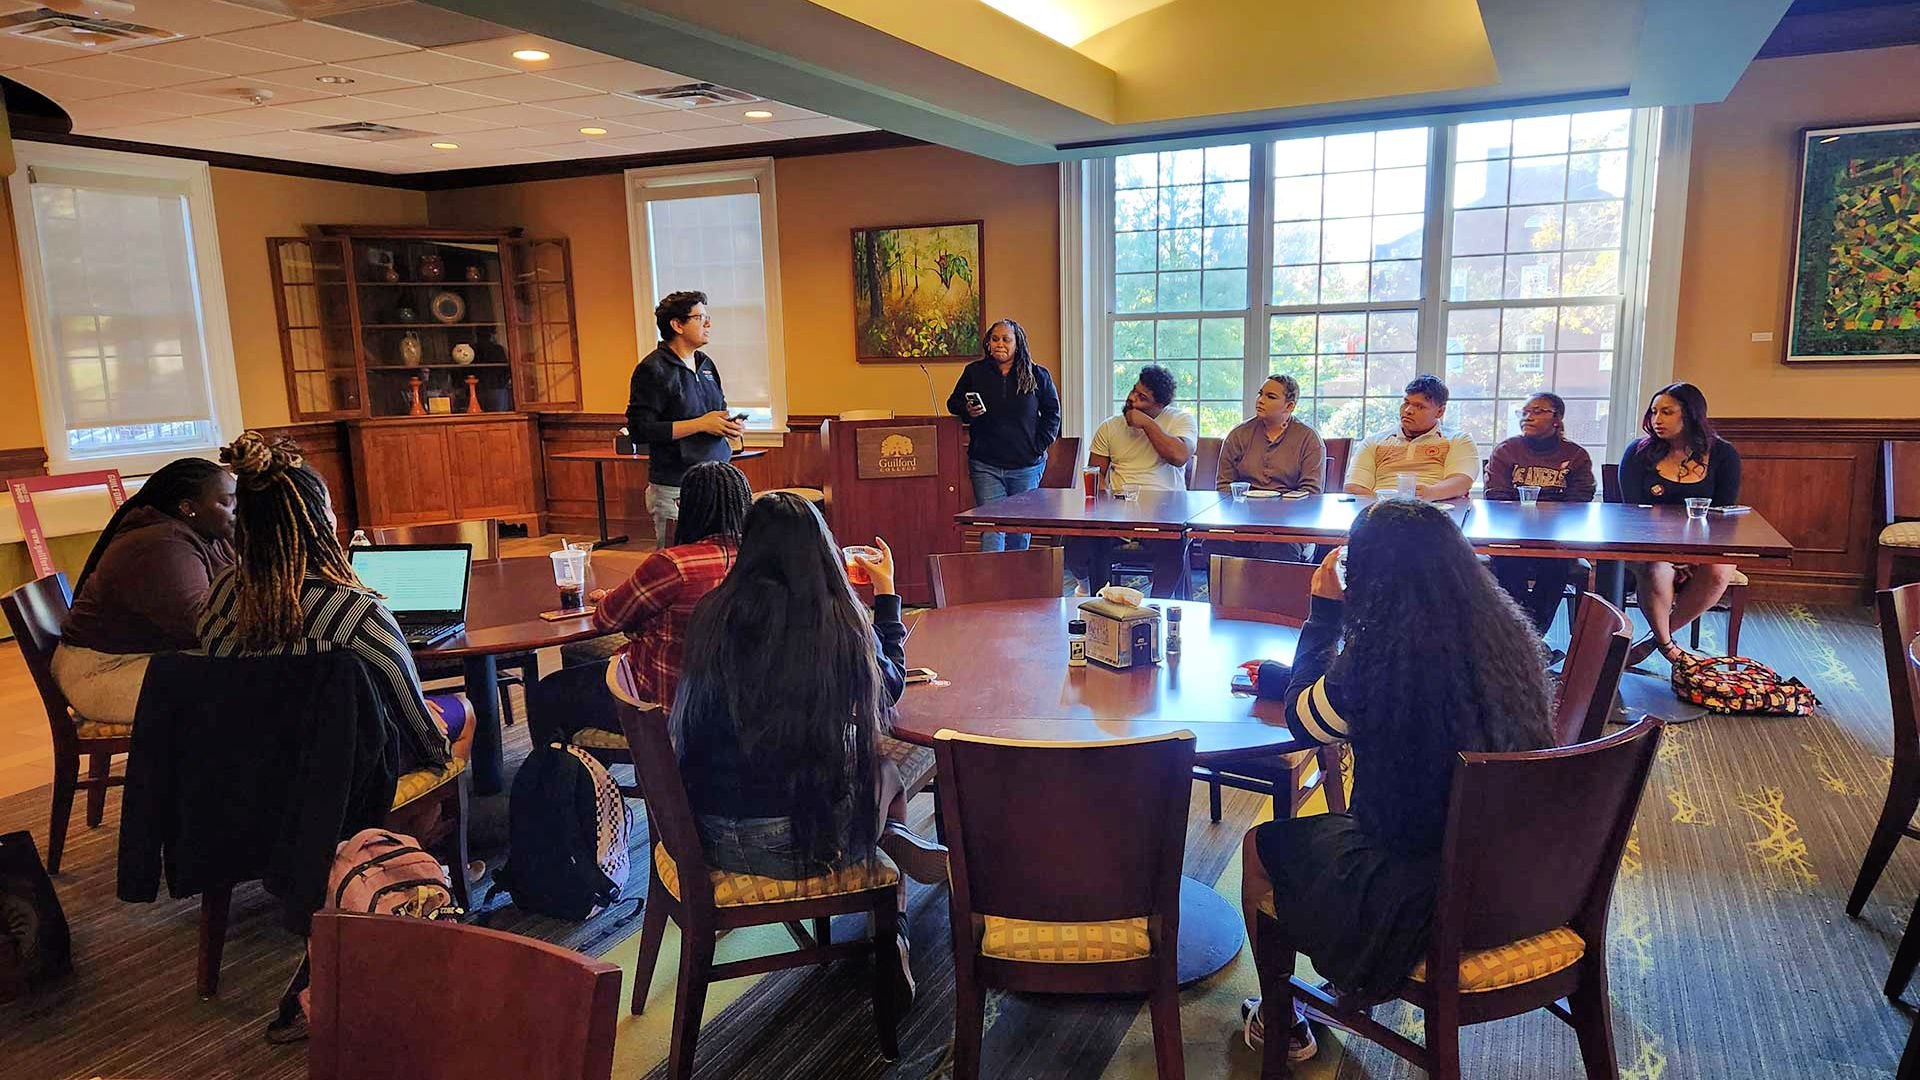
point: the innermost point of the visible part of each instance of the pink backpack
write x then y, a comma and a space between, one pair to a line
377, 872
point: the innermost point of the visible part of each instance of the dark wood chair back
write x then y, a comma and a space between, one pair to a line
1337, 452
37, 611
1899, 624
1034, 832
1275, 592
1900, 464
1063, 463
1533, 841
1610, 482
1203, 465
455, 1001
979, 577
656, 772
482, 533
1596, 655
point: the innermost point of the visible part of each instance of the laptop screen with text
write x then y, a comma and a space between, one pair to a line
416, 580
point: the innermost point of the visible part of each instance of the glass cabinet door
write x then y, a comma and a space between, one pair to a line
546, 354
316, 319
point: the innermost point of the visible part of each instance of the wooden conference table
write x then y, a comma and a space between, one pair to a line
504, 602
599, 458
1003, 672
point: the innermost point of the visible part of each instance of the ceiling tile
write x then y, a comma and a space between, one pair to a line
495, 138
432, 99
570, 129
825, 125
684, 120
15, 52
334, 109
654, 144
307, 78
164, 102
453, 123
200, 17
67, 87
120, 110
425, 66
500, 51
215, 56
315, 41
519, 88
175, 132
739, 112
124, 67
604, 105
619, 75
735, 136
498, 115
231, 92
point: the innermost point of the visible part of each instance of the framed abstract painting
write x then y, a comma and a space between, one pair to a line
917, 293
1856, 266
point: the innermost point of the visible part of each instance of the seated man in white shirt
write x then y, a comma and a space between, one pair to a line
1145, 448
1442, 463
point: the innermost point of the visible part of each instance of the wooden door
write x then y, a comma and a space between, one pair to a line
543, 337
404, 473
493, 473
313, 297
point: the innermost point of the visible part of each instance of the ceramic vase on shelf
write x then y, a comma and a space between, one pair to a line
463, 354
476, 273
432, 268
473, 394
410, 349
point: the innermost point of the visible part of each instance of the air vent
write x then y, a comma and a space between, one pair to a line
365, 131
79, 32
690, 95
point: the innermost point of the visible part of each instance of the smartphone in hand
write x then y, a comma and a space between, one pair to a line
974, 400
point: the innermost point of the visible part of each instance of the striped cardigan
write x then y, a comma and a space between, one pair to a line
341, 617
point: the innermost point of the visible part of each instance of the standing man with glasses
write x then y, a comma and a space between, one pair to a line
676, 406
1540, 456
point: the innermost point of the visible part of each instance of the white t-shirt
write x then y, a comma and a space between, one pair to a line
1134, 460
1378, 461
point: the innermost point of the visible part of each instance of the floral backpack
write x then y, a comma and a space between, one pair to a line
1738, 684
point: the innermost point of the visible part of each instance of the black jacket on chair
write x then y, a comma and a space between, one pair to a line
249, 769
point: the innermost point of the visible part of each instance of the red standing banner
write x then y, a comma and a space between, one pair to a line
24, 489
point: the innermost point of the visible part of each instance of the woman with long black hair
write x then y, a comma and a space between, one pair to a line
143, 586
1679, 458
1012, 413
1434, 658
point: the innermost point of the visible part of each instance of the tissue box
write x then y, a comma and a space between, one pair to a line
1121, 637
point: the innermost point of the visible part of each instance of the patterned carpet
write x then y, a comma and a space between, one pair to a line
1730, 953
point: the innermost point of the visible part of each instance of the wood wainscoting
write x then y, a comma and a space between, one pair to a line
1818, 481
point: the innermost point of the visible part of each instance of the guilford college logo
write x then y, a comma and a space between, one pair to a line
897, 455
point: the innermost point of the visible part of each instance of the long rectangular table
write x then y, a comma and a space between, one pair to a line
1068, 512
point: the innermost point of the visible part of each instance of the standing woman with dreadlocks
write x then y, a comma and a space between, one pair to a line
143, 586
1012, 413
293, 592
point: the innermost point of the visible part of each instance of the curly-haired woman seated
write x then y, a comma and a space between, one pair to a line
1434, 659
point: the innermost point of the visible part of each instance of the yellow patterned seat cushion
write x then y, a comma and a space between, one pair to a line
100, 729
598, 739
733, 890
1901, 534
1065, 943
914, 762
1738, 578
1510, 965
420, 781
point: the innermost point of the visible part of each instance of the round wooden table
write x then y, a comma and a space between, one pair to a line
1003, 672
504, 602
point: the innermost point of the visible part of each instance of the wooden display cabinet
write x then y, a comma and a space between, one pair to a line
384, 326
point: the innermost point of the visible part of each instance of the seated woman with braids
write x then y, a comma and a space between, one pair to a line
293, 592
143, 586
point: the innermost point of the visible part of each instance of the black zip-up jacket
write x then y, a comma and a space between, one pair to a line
1017, 428
663, 391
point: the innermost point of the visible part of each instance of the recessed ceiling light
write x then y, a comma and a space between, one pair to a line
758, 114
332, 80
531, 55
446, 146
593, 131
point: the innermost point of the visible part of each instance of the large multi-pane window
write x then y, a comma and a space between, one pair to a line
1492, 254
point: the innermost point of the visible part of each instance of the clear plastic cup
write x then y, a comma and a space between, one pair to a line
1090, 479
856, 557
570, 574
1697, 509
1529, 494
1239, 488
1406, 486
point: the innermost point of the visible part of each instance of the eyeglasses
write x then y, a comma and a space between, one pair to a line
1536, 411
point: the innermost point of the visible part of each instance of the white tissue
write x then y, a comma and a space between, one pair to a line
1120, 594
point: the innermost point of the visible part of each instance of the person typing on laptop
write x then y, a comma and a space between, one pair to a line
424, 585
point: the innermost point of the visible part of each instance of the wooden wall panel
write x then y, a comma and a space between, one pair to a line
324, 445
22, 461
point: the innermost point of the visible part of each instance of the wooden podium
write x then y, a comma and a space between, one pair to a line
902, 480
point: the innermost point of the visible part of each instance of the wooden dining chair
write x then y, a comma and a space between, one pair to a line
1900, 539
482, 533
443, 1001
1533, 844
37, 611
705, 902
979, 577
1063, 463
1590, 677
1734, 603
1057, 887
1338, 450
1203, 465
1899, 623
1274, 592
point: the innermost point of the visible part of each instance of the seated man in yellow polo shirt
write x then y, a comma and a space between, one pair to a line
1442, 463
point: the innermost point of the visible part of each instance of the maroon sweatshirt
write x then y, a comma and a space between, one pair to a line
1562, 470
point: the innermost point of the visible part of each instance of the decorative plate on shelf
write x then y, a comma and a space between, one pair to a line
447, 307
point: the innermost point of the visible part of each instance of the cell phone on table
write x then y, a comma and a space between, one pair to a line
921, 675
976, 401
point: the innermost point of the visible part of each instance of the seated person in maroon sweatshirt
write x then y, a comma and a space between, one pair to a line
1540, 456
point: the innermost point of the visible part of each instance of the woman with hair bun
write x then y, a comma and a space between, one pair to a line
294, 592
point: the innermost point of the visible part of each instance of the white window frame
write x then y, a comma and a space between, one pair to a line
210, 289
640, 248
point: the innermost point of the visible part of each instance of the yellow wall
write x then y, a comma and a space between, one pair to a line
820, 199
19, 408
1736, 269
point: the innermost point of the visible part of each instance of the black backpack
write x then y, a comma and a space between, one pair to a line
35, 948
569, 828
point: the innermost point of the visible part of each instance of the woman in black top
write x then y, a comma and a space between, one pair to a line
1015, 418
1679, 458
1434, 659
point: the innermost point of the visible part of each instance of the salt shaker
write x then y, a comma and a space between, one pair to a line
1077, 643
1173, 630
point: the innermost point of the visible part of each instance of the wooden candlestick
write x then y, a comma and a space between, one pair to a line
416, 409
473, 394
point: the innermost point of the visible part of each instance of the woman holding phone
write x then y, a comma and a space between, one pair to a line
1012, 413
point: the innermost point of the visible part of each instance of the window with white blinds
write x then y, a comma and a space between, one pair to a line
710, 229
132, 366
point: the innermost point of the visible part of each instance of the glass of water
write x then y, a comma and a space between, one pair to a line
1529, 494
1697, 509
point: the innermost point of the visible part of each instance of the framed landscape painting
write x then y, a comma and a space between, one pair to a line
1856, 268
917, 292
